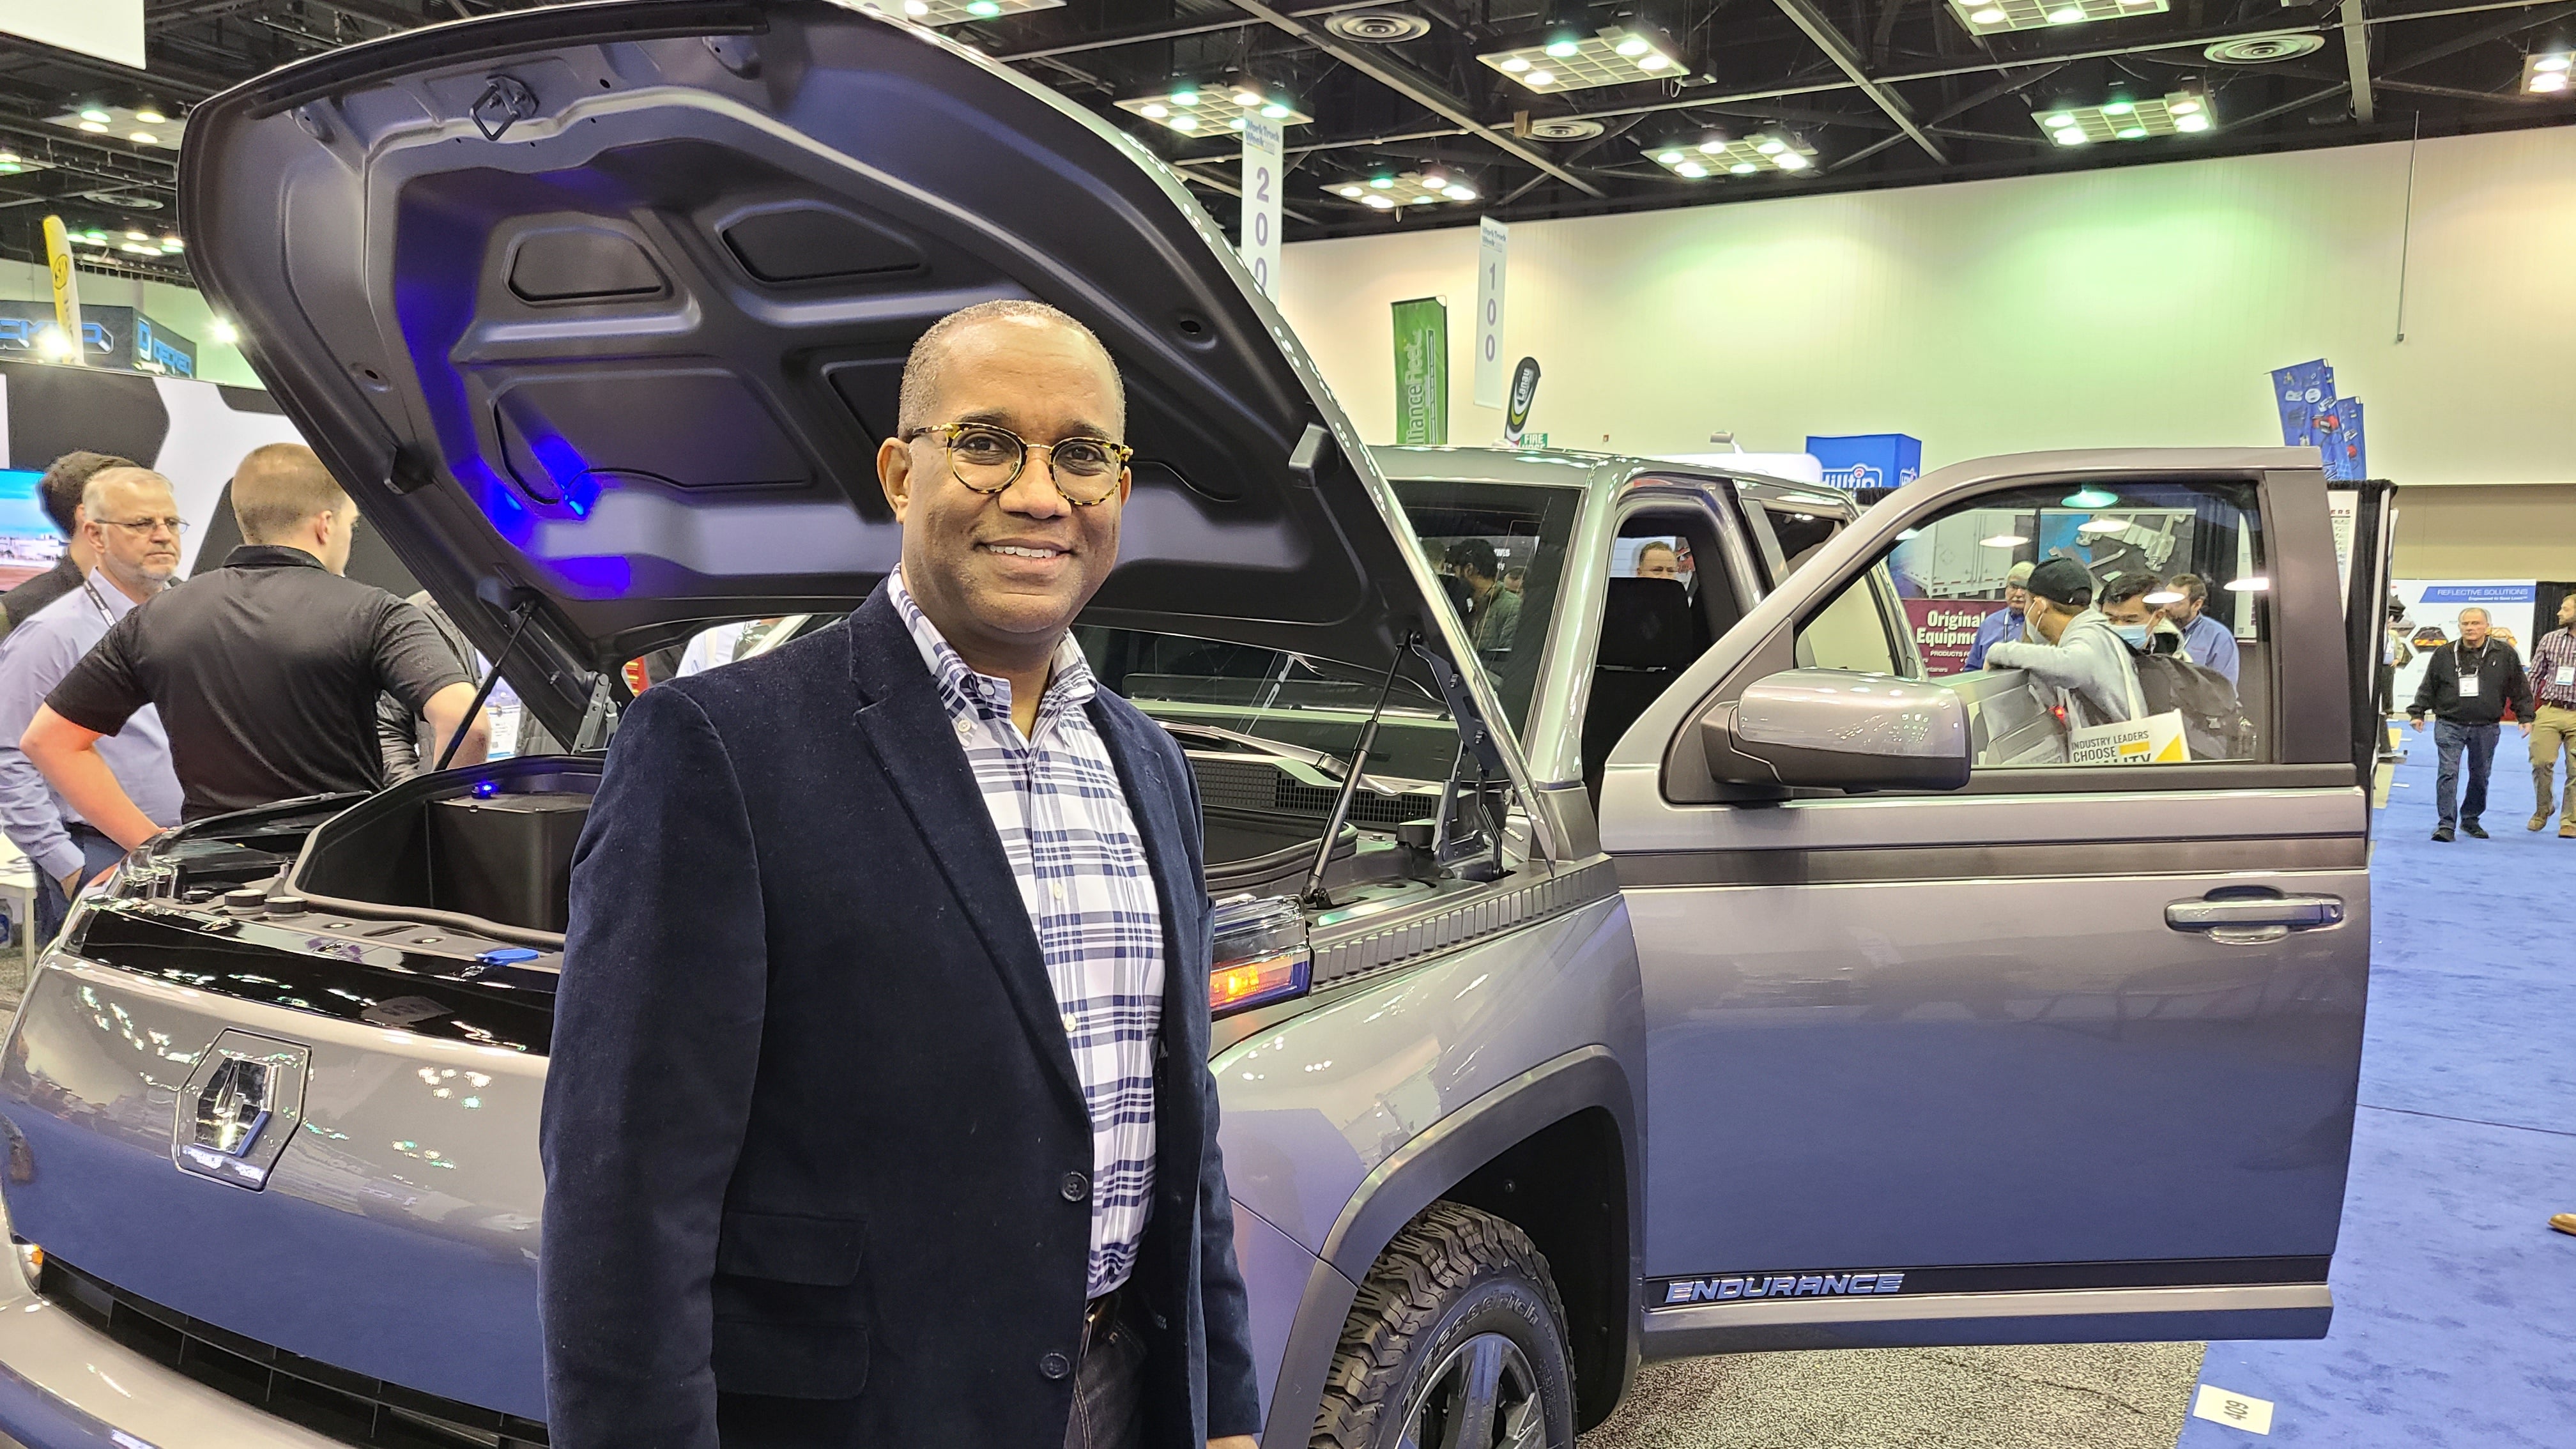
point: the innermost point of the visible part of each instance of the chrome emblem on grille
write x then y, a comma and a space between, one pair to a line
239, 1107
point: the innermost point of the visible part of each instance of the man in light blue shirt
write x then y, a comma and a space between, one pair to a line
2004, 625
2205, 641
131, 523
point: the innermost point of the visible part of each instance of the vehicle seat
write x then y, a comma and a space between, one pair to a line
1650, 633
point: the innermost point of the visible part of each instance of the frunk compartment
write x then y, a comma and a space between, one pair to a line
488, 848
506, 858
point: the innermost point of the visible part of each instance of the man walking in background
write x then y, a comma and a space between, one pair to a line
2205, 641
59, 493
2466, 686
2004, 625
130, 524
2553, 719
265, 670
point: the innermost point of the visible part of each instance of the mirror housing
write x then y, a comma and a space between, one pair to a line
1837, 729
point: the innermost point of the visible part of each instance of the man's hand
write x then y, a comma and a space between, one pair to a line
1235, 1441
67, 754
71, 884
2526, 729
2416, 724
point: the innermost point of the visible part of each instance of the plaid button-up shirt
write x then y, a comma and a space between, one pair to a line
2555, 651
1057, 803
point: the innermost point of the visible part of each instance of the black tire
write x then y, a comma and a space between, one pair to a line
1460, 1296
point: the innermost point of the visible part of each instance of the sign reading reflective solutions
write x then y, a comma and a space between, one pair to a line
1493, 248
1422, 371
1263, 165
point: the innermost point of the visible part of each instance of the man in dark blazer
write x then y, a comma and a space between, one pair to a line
837, 1152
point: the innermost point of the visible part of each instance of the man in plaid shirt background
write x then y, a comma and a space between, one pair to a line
2553, 725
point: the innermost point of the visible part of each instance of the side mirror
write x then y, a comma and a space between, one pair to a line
1839, 729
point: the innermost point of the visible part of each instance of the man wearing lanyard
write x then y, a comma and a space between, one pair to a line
2465, 689
2553, 723
130, 525
2004, 625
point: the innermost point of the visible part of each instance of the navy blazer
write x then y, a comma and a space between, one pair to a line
817, 1160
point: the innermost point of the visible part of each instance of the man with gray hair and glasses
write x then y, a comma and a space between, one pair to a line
129, 524
2466, 686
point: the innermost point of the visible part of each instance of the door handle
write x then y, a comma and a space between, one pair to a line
2250, 920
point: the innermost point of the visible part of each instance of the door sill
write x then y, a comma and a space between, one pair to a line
2083, 1315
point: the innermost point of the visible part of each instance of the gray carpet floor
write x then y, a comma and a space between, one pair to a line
2083, 1396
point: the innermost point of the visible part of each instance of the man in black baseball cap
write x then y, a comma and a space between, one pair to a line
2074, 657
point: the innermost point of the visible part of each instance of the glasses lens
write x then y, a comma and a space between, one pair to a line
985, 458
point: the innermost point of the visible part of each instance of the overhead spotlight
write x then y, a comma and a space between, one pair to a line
2546, 73
1380, 202
95, 128
2004, 540
150, 115
967, 12
1247, 100
144, 138
1410, 188
172, 244
1564, 47
93, 113
51, 342
1761, 151
222, 331
1188, 109
1987, 17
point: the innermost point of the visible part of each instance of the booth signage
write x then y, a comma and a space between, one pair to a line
1946, 629
66, 280
158, 349
1524, 392
1263, 167
1422, 371
1869, 460
1493, 253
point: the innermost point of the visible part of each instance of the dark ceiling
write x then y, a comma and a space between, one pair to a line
1886, 92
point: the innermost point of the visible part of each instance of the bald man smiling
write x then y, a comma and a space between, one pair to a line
878, 1115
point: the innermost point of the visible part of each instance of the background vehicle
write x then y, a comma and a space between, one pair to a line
1687, 975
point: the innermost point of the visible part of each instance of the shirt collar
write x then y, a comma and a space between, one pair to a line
270, 556
1069, 679
109, 596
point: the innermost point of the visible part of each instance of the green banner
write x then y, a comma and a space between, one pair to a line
1422, 371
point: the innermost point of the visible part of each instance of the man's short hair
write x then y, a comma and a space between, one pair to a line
63, 484
929, 354
2018, 576
94, 496
2483, 616
1472, 556
2129, 586
279, 486
2191, 586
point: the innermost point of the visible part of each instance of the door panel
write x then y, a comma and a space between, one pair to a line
1990, 1042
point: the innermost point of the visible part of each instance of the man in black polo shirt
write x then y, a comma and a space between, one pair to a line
59, 493
265, 670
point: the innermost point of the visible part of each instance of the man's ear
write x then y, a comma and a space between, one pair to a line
894, 474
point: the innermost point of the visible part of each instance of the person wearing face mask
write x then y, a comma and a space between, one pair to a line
2124, 603
2004, 625
2466, 686
2076, 661
130, 527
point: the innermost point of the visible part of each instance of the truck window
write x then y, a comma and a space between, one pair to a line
1500, 551
2176, 567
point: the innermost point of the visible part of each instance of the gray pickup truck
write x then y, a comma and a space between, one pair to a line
1665, 963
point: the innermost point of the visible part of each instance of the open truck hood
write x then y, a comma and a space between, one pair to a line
604, 306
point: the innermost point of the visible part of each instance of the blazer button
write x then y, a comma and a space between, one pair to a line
1054, 1365
1076, 1187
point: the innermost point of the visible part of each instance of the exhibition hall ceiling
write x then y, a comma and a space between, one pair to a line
1523, 109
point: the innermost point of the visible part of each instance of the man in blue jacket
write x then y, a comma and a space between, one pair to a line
878, 1114
2004, 625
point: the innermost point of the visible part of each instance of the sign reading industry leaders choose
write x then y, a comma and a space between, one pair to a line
1422, 371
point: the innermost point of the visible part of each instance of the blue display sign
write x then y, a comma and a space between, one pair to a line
2302, 391
158, 349
1869, 460
2339, 439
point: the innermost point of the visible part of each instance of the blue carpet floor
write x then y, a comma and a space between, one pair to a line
2455, 1316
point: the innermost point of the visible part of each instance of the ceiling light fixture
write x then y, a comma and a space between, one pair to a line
1571, 61
2126, 118
2004, 540
1189, 110
2090, 497
1410, 188
150, 115
2102, 525
222, 331
2545, 73
967, 12
1761, 151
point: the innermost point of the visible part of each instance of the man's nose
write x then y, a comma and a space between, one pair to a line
1034, 493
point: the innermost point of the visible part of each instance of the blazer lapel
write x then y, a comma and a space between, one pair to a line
1161, 813
914, 739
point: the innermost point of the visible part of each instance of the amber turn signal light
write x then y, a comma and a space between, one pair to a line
1240, 985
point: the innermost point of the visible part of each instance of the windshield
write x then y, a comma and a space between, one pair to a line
1306, 704
1500, 551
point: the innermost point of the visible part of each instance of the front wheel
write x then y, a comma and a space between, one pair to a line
1457, 1341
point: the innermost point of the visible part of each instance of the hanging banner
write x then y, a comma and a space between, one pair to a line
1263, 169
1493, 244
67, 308
1524, 392
1422, 371
2303, 391
2338, 430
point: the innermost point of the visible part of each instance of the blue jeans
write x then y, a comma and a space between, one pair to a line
2479, 741
97, 854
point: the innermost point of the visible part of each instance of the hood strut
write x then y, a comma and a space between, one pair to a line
527, 612
1314, 893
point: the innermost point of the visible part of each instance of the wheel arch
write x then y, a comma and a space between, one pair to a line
1482, 1156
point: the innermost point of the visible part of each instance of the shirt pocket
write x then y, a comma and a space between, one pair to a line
790, 1310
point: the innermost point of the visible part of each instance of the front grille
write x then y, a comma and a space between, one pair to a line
351, 1408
